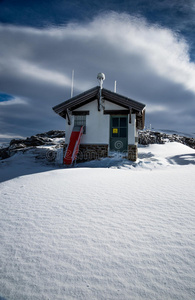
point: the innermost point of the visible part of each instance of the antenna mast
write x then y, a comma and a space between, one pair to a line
72, 84
115, 86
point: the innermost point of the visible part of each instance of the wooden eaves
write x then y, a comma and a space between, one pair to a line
64, 108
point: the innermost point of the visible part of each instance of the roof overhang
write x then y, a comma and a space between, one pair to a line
90, 95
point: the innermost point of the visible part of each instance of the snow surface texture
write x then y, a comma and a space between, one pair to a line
99, 233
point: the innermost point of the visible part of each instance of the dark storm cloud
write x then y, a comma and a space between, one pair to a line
150, 63
178, 15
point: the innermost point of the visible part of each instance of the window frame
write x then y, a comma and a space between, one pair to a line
80, 120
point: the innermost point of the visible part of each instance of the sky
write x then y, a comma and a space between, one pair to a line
147, 46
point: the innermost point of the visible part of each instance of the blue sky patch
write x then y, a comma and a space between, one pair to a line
5, 97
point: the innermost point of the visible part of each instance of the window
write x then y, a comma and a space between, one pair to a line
80, 121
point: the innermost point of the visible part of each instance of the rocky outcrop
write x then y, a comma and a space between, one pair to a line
152, 137
4, 153
37, 140
52, 134
47, 138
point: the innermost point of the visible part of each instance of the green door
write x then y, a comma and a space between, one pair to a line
118, 133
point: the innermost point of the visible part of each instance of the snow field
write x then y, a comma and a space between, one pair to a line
98, 234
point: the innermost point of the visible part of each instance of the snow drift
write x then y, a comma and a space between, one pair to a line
108, 229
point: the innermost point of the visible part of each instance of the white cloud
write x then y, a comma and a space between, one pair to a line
151, 64
156, 108
14, 101
37, 73
10, 136
158, 49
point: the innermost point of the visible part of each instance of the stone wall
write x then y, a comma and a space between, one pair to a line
132, 152
90, 152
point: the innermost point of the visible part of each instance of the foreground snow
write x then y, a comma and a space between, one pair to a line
100, 233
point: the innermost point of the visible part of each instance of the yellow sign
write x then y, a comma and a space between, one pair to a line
115, 130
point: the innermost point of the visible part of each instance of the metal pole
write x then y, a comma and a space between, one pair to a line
115, 86
72, 85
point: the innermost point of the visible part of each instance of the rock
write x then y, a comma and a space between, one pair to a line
37, 140
17, 146
152, 137
30, 142
4, 153
41, 139
190, 142
144, 138
52, 134
16, 142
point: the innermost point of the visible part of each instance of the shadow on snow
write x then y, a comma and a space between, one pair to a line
183, 160
116, 160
